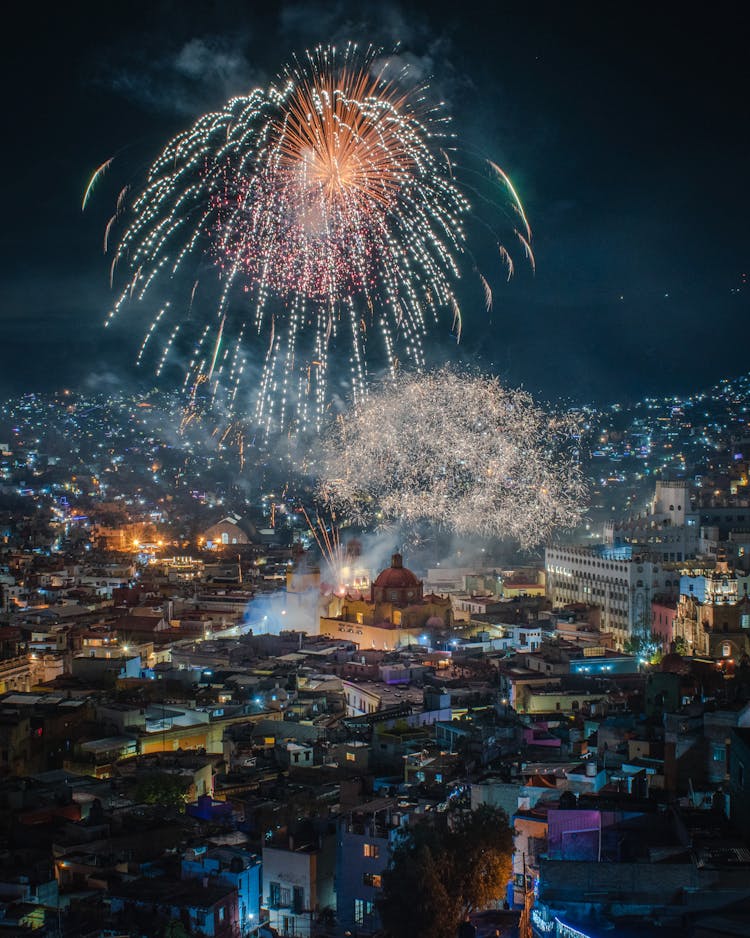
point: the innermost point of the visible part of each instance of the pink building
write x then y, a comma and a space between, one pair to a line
663, 614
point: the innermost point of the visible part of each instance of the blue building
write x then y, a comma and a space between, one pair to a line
229, 866
364, 843
149, 904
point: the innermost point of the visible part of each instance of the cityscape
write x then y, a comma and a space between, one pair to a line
374, 485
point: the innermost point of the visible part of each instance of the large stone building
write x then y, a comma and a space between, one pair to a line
668, 530
680, 524
619, 582
713, 614
396, 613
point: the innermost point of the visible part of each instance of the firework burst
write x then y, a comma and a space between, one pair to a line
328, 207
458, 451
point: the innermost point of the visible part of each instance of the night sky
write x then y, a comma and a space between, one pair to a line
624, 128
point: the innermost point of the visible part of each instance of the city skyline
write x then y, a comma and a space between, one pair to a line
404, 589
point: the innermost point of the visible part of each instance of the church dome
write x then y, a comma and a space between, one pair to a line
396, 576
396, 584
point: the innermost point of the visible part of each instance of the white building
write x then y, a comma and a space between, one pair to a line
619, 583
668, 530
298, 884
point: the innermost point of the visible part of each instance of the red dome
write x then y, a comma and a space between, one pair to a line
396, 576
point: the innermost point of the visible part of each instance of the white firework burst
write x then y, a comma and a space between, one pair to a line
458, 451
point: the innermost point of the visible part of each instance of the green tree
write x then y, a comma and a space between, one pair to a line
446, 868
681, 646
482, 844
161, 788
648, 647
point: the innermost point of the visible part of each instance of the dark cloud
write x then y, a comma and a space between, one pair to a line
200, 73
629, 149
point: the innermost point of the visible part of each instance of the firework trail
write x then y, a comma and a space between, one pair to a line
332, 215
325, 533
458, 451
98, 173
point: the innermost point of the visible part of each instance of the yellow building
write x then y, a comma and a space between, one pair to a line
397, 612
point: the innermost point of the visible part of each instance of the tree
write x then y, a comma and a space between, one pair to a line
444, 869
681, 646
482, 844
416, 900
645, 646
161, 788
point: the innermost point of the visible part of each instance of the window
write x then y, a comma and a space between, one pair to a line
363, 909
224, 537
719, 754
352, 757
274, 895
371, 850
372, 879
726, 650
221, 914
299, 899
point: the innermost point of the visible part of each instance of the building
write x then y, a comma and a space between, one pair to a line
712, 618
204, 909
668, 530
229, 531
616, 580
663, 613
364, 697
397, 612
298, 882
365, 839
233, 867
739, 780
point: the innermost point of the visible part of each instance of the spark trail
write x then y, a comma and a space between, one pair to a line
330, 209
457, 451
